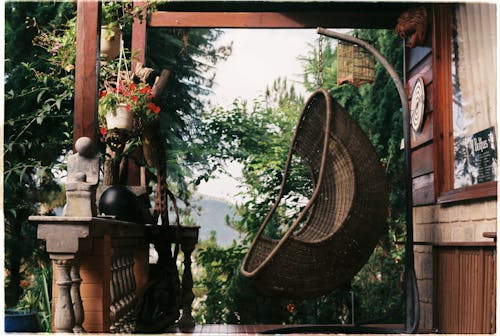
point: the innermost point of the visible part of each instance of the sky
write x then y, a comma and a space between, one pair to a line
259, 57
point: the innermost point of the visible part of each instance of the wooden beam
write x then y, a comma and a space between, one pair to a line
86, 70
344, 19
139, 52
139, 36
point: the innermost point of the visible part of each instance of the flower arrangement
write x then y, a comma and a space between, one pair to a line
136, 99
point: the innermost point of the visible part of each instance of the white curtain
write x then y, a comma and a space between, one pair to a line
475, 68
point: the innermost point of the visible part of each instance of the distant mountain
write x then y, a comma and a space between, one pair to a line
212, 217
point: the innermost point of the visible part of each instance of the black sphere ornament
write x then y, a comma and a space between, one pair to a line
119, 201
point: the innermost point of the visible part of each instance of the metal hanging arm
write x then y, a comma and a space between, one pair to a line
412, 304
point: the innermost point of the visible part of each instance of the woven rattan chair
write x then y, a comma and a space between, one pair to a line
337, 230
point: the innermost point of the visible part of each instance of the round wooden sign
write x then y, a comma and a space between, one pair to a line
418, 105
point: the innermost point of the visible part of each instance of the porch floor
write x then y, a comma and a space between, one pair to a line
225, 329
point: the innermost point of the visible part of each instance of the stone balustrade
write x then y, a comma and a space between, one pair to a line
186, 237
123, 295
114, 256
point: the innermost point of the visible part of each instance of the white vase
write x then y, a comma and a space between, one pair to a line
121, 118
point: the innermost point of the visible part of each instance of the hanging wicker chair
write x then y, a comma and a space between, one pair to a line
337, 230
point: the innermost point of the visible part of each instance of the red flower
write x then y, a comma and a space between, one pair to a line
24, 284
290, 307
132, 86
146, 89
103, 131
128, 107
104, 93
134, 98
155, 109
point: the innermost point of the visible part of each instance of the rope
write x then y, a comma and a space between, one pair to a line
320, 62
120, 59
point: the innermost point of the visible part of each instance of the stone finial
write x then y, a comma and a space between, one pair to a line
82, 180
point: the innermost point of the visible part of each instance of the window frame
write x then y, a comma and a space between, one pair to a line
444, 155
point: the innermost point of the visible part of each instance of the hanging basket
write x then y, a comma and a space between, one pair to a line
121, 118
355, 65
110, 42
335, 233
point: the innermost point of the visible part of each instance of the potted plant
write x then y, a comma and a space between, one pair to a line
115, 16
127, 103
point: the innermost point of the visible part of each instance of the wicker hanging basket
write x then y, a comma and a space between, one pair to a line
355, 65
335, 233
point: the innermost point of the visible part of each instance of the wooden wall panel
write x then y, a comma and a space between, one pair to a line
417, 55
464, 296
423, 190
425, 135
419, 64
422, 162
424, 70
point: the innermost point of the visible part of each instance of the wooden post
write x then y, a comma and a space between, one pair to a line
139, 49
139, 35
86, 70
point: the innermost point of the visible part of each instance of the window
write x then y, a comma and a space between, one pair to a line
465, 61
473, 70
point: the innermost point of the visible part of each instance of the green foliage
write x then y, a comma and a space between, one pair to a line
191, 57
120, 13
38, 122
259, 138
37, 295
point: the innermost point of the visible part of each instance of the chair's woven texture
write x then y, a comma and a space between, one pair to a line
344, 218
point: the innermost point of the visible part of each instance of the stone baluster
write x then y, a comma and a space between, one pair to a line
187, 320
130, 294
123, 292
114, 297
126, 289
131, 298
76, 298
123, 296
118, 301
64, 319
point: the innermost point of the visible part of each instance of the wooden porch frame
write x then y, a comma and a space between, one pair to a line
249, 15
